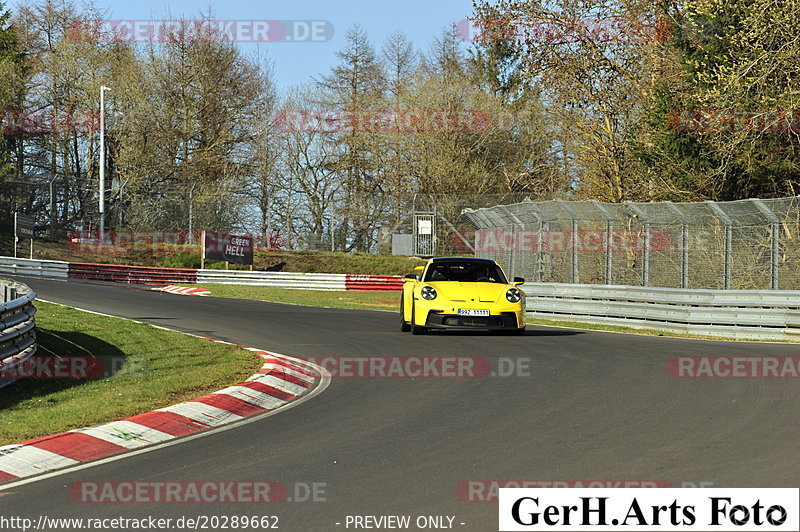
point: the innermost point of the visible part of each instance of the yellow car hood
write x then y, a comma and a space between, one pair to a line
483, 292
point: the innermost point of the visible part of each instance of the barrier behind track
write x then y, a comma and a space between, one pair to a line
130, 274
152, 275
37, 268
746, 314
17, 327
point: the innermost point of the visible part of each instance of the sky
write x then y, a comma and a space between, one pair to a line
296, 62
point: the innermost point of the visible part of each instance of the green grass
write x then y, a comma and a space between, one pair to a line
390, 301
160, 368
312, 298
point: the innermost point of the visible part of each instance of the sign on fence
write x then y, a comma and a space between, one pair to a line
237, 249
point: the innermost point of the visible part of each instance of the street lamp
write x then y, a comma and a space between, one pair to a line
103, 88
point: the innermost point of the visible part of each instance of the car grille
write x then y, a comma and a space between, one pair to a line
473, 321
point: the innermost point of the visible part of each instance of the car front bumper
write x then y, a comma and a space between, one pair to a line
501, 321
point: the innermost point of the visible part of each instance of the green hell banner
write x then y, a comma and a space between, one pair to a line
237, 249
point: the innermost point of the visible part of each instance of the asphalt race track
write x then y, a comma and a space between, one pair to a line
591, 406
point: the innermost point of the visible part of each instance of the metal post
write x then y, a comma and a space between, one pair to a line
775, 254
646, 252
103, 88
609, 251
684, 242
684, 256
52, 210
191, 203
728, 250
775, 230
574, 217
119, 206
540, 252
16, 239
203, 250
728, 256
575, 276
646, 257
609, 235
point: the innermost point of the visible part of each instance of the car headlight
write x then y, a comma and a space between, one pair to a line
428, 292
513, 295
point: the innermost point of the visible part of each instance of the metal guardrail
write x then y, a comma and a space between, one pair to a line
97, 272
130, 274
302, 281
36, 268
17, 327
744, 314
740, 314
299, 281
154, 275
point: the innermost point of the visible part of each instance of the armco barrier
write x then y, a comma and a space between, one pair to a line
744, 314
130, 274
36, 268
300, 281
17, 327
374, 282
153, 275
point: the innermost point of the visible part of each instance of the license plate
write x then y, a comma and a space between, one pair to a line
473, 312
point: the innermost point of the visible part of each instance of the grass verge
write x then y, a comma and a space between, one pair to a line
311, 298
390, 301
158, 368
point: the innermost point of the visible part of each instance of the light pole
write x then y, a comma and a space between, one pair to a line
103, 88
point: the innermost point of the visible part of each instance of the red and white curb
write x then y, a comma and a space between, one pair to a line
279, 381
182, 290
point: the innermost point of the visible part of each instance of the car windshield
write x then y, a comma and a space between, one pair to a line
465, 272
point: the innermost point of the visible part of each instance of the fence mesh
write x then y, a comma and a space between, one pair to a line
746, 244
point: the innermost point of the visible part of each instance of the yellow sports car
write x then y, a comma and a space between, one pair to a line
462, 293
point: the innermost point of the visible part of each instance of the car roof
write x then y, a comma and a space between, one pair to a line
437, 259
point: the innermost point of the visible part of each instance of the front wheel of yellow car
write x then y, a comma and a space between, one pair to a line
404, 326
416, 329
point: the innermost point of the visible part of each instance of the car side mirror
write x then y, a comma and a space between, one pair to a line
410, 277
519, 280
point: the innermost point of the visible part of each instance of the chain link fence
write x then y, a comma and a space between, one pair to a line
746, 244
